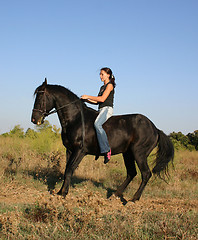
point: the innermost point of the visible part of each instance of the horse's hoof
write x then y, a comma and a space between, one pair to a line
117, 194
133, 200
96, 157
120, 196
60, 193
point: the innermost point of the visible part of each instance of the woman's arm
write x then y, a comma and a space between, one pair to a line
93, 99
88, 100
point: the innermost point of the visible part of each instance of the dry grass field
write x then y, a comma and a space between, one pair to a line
30, 208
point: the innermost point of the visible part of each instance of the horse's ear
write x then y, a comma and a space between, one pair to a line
44, 83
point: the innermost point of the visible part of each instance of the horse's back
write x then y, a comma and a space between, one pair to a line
127, 130
132, 121
122, 131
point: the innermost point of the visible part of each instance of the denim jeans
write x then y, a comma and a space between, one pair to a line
104, 114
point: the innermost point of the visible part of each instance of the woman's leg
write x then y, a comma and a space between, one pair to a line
105, 113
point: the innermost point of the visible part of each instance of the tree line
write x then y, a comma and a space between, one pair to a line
189, 141
46, 130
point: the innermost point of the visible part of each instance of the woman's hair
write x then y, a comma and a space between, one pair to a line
111, 78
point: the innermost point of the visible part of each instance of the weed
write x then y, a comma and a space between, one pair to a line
28, 211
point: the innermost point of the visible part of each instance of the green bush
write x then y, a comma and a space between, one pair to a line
180, 141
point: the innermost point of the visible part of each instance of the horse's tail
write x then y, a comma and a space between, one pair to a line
164, 155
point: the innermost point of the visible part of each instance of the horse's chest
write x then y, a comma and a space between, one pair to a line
67, 140
70, 139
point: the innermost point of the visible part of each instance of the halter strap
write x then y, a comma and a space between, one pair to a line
56, 110
45, 114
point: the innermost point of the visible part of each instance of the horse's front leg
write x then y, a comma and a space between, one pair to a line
74, 158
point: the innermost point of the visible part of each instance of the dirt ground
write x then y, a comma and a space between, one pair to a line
13, 194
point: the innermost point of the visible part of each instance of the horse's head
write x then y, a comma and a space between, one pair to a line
43, 104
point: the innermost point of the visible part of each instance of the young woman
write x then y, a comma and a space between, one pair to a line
105, 100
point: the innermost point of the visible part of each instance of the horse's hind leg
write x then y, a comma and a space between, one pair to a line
131, 172
141, 161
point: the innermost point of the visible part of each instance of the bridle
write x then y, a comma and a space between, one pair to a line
45, 113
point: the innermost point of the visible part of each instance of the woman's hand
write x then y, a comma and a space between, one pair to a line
85, 97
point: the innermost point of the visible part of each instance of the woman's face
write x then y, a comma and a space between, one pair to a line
104, 76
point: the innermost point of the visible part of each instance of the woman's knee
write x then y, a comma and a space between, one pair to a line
97, 126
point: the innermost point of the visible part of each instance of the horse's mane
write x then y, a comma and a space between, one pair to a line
56, 88
63, 90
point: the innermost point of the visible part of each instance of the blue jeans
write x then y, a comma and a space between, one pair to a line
104, 114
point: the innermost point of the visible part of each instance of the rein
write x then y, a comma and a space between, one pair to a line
45, 113
56, 110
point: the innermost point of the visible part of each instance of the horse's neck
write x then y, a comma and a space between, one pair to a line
67, 109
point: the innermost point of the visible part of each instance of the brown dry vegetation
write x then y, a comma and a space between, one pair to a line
30, 209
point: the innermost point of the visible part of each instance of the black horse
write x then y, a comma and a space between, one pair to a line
133, 135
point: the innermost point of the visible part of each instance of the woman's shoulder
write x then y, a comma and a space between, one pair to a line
109, 85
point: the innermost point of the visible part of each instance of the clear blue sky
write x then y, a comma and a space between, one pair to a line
151, 46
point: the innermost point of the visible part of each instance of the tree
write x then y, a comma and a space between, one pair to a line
17, 131
43, 127
193, 138
181, 141
30, 133
56, 130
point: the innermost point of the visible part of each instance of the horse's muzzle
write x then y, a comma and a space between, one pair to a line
37, 120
